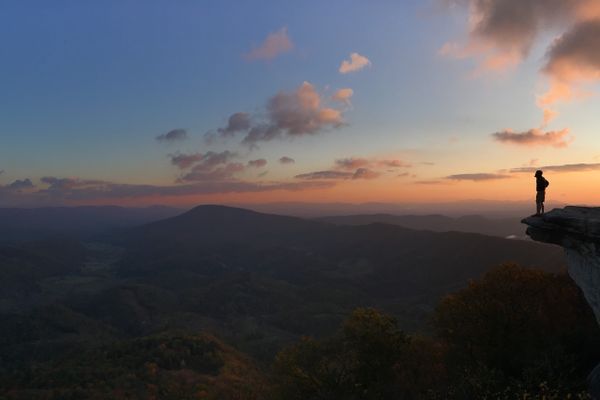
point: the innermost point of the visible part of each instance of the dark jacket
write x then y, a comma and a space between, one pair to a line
541, 184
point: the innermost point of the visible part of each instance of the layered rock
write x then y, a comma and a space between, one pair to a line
577, 230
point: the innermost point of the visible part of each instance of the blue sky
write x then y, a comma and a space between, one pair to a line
87, 86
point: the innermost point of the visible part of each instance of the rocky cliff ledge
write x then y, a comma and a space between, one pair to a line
577, 229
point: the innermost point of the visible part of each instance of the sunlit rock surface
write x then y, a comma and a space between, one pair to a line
577, 229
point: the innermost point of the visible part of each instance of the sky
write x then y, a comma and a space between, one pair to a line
187, 102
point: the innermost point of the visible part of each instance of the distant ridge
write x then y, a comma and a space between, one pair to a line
215, 236
215, 222
18, 224
502, 227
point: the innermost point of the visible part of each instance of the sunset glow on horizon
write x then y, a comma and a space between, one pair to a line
146, 103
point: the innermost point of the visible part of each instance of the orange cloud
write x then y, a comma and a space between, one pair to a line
343, 95
549, 115
573, 60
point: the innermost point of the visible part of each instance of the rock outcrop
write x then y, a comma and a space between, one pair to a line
577, 230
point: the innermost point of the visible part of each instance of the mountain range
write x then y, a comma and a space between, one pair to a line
257, 280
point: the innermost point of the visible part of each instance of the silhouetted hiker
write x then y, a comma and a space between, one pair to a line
541, 184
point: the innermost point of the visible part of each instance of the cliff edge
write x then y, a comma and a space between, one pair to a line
577, 230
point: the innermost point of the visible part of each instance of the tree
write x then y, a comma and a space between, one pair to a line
369, 358
518, 327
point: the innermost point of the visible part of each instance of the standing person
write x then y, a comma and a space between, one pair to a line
541, 184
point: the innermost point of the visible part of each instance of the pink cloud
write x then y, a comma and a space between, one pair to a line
296, 113
356, 63
275, 44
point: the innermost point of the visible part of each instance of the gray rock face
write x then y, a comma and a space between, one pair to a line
577, 229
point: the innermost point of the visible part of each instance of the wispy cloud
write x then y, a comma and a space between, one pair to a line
392, 163
343, 96
214, 167
430, 182
62, 184
184, 161
261, 162
286, 160
221, 172
581, 167
61, 190
533, 137
325, 175
174, 135
356, 63
351, 163
20, 184
275, 44
115, 191
365, 173
478, 177
360, 173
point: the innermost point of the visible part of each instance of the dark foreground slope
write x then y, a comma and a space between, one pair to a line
167, 366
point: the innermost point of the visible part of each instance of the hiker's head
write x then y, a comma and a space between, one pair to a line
538, 173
